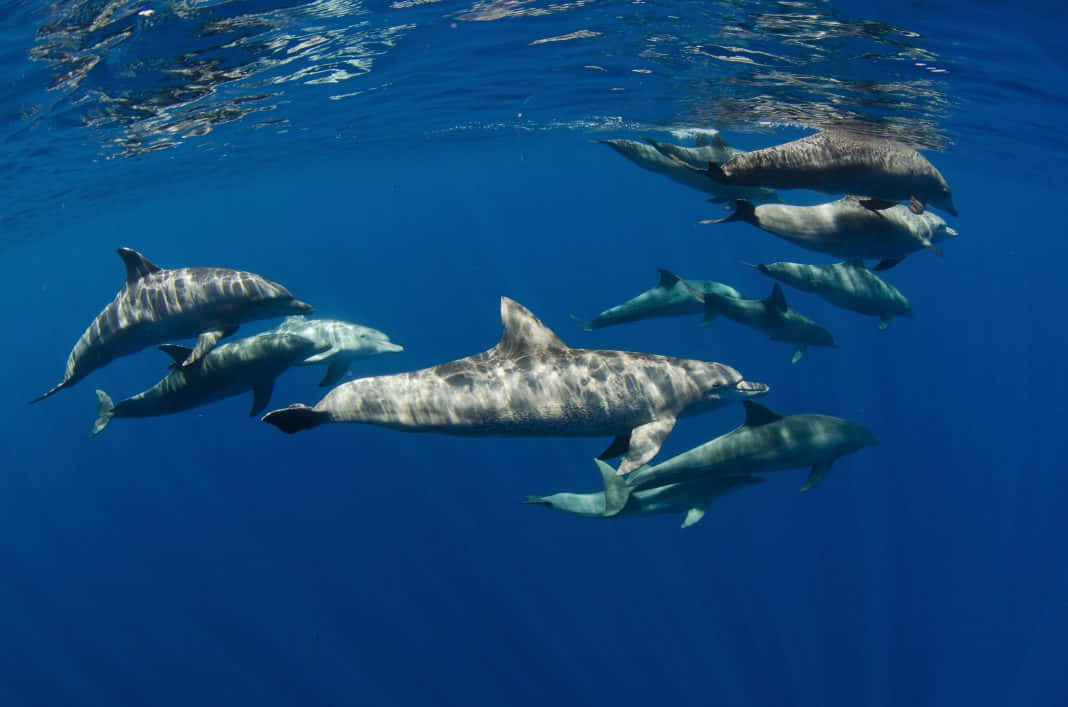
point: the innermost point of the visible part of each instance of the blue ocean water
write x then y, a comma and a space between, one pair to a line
404, 165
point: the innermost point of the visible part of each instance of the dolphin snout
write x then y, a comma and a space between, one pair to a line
951, 232
390, 347
300, 305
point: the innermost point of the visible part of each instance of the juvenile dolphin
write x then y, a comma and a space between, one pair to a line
157, 305
765, 442
663, 158
691, 498
345, 343
848, 284
840, 162
772, 316
533, 384
227, 370
847, 229
670, 298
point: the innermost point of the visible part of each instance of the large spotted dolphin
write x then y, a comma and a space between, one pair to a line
837, 161
231, 369
157, 305
533, 384
343, 343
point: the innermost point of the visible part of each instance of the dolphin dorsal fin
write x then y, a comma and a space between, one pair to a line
523, 332
706, 139
668, 279
777, 299
856, 263
757, 415
137, 265
177, 352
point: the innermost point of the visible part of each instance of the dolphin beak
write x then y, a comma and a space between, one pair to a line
951, 232
393, 348
301, 306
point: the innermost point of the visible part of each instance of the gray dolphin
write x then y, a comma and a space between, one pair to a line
840, 162
663, 158
691, 498
157, 305
227, 370
848, 284
345, 342
670, 298
772, 316
847, 229
765, 442
533, 384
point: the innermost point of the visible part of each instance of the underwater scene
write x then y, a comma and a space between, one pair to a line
530, 352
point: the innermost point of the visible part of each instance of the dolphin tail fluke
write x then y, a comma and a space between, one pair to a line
586, 324
296, 418
887, 263
616, 491
50, 392
744, 210
104, 412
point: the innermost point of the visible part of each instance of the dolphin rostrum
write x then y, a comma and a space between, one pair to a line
765, 442
533, 384
157, 305
836, 161
227, 370
691, 498
345, 343
670, 298
847, 229
848, 284
772, 316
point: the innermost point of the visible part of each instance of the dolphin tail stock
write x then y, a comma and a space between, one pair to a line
296, 418
744, 210
587, 325
616, 490
50, 392
104, 412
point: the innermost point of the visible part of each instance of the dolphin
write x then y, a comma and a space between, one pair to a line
533, 384
691, 498
157, 305
848, 284
772, 316
663, 158
227, 370
847, 229
765, 442
837, 161
346, 343
670, 298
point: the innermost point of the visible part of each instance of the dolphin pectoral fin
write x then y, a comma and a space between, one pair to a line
261, 395
933, 248
915, 205
616, 491
645, 441
205, 343
176, 352
799, 353
884, 321
586, 324
694, 515
877, 204
887, 263
815, 477
334, 373
617, 448
319, 357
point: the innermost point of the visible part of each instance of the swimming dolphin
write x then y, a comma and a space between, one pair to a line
670, 298
346, 343
227, 370
157, 305
848, 284
533, 384
772, 316
840, 162
689, 498
661, 157
846, 229
765, 442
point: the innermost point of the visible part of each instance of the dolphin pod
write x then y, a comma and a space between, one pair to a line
533, 384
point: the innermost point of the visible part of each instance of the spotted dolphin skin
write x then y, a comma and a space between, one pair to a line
670, 298
847, 229
664, 157
344, 342
533, 384
691, 498
765, 442
157, 305
227, 370
772, 316
848, 285
841, 162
